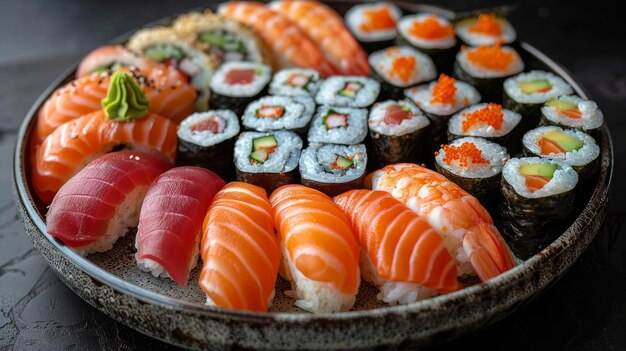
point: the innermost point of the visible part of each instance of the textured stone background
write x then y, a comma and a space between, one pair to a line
585, 310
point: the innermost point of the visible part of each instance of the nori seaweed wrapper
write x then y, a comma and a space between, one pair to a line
269, 181
217, 158
486, 190
386, 149
387, 90
237, 104
490, 89
443, 58
530, 224
334, 189
531, 113
586, 173
545, 121
511, 141
437, 135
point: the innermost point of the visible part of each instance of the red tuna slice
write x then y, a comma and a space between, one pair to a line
395, 114
240, 76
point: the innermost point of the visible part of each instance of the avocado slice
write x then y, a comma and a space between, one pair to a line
538, 169
265, 142
565, 141
535, 86
561, 104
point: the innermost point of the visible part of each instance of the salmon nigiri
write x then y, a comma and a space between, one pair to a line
239, 249
98, 205
170, 223
325, 27
463, 223
74, 144
290, 44
320, 252
401, 253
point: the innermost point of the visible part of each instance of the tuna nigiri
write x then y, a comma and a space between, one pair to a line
401, 253
239, 249
290, 44
98, 205
320, 252
170, 223
110, 58
463, 223
325, 27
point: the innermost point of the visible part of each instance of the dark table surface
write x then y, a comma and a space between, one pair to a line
585, 310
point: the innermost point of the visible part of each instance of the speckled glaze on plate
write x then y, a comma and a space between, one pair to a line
111, 282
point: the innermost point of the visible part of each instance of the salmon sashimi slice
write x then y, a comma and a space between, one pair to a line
463, 223
320, 251
76, 143
98, 205
111, 57
170, 223
326, 28
239, 249
534, 183
401, 246
290, 44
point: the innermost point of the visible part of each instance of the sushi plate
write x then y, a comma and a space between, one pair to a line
113, 284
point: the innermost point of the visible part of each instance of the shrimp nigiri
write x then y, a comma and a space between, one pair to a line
325, 27
320, 252
463, 223
290, 45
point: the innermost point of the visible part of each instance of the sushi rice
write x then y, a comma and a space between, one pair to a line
329, 91
495, 154
226, 119
293, 117
475, 71
510, 121
575, 158
422, 96
591, 116
355, 18
564, 179
309, 80
283, 159
383, 62
317, 160
507, 35
404, 26
354, 133
513, 91
377, 123
263, 74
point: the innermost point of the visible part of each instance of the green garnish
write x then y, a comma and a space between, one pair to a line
125, 99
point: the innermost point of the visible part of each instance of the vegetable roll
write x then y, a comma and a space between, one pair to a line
527, 92
489, 121
295, 81
268, 160
474, 164
206, 139
396, 130
333, 169
537, 194
350, 91
224, 38
279, 112
235, 84
399, 67
571, 111
572, 147
165, 45
338, 125
486, 29
373, 24
431, 34
486, 68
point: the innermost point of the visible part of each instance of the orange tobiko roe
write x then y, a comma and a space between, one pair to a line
464, 154
444, 90
490, 57
430, 28
377, 19
490, 114
487, 24
403, 67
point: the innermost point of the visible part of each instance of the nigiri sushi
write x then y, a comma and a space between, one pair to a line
239, 249
98, 205
170, 222
326, 28
462, 222
291, 46
401, 253
320, 252
109, 58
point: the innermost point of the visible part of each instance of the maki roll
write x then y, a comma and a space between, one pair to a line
396, 130
440, 100
338, 125
351, 91
333, 169
486, 29
537, 194
279, 112
474, 164
572, 147
224, 38
431, 34
571, 111
373, 24
489, 121
206, 139
109, 58
486, 67
268, 160
165, 45
295, 81
399, 67
235, 84
527, 92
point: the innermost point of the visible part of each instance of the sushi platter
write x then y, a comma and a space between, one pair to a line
313, 175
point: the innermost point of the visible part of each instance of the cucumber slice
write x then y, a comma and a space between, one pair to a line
535, 86
541, 170
561, 104
343, 163
213, 38
265, 142
161, 53
259, 156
